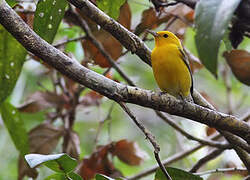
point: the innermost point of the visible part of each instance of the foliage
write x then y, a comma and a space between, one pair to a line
211, 20
12, 57
60, 163
47, 20
176, 174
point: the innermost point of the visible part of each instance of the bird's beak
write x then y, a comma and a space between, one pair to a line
153, 33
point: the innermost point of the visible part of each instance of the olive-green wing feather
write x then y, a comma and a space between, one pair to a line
185, 60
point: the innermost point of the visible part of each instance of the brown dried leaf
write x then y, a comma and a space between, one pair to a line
210, 131
110, 44
129, 152
239, 62
125, 15
98, 162
27, 17
179, 25
40, 101
91, 99
190, 16
42, 139
150, 20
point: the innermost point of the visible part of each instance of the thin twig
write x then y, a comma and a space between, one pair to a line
69, 40
107, 118
189, 136
181, 155
149, 136
228, 85
243, 155
221, 170
172, 159
236, 141
98, 45
205, 159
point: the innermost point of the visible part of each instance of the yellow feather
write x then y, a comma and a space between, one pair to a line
171, 72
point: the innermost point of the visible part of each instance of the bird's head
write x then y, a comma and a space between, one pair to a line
164, 38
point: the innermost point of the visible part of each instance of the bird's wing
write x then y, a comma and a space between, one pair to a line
185, 60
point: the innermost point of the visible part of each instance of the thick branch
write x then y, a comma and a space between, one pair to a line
119, 92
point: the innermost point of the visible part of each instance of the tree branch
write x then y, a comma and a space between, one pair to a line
205, 159
118, 92
149, 136
222, 170
182, 154
190, 136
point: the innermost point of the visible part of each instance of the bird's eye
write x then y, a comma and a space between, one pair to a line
165, 35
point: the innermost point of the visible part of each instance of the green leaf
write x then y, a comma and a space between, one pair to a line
211, 19
176, 174
111, 7
12, 57
102, 177
48, 16
61, 163
11, 3
15, 126
58, 176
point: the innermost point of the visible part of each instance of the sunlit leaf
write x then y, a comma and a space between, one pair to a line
102, 177
212, 18
176, 174
15, 126
239, 62
11, 2
48, 16
43, 140
57, 162
12, 57
40, 101
110, 7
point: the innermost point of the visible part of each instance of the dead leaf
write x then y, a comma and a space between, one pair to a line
98, 162
40, 101
150, 20
28, 18
190, 16
43, 139
92, 98
129, 152
179, 22
239, 62
125, 15
210, 131
112, 46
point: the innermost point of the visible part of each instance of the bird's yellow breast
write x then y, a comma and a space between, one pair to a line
170, 71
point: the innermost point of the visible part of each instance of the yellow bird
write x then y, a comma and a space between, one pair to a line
170, 66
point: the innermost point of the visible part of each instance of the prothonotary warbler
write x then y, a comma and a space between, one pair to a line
170, 66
